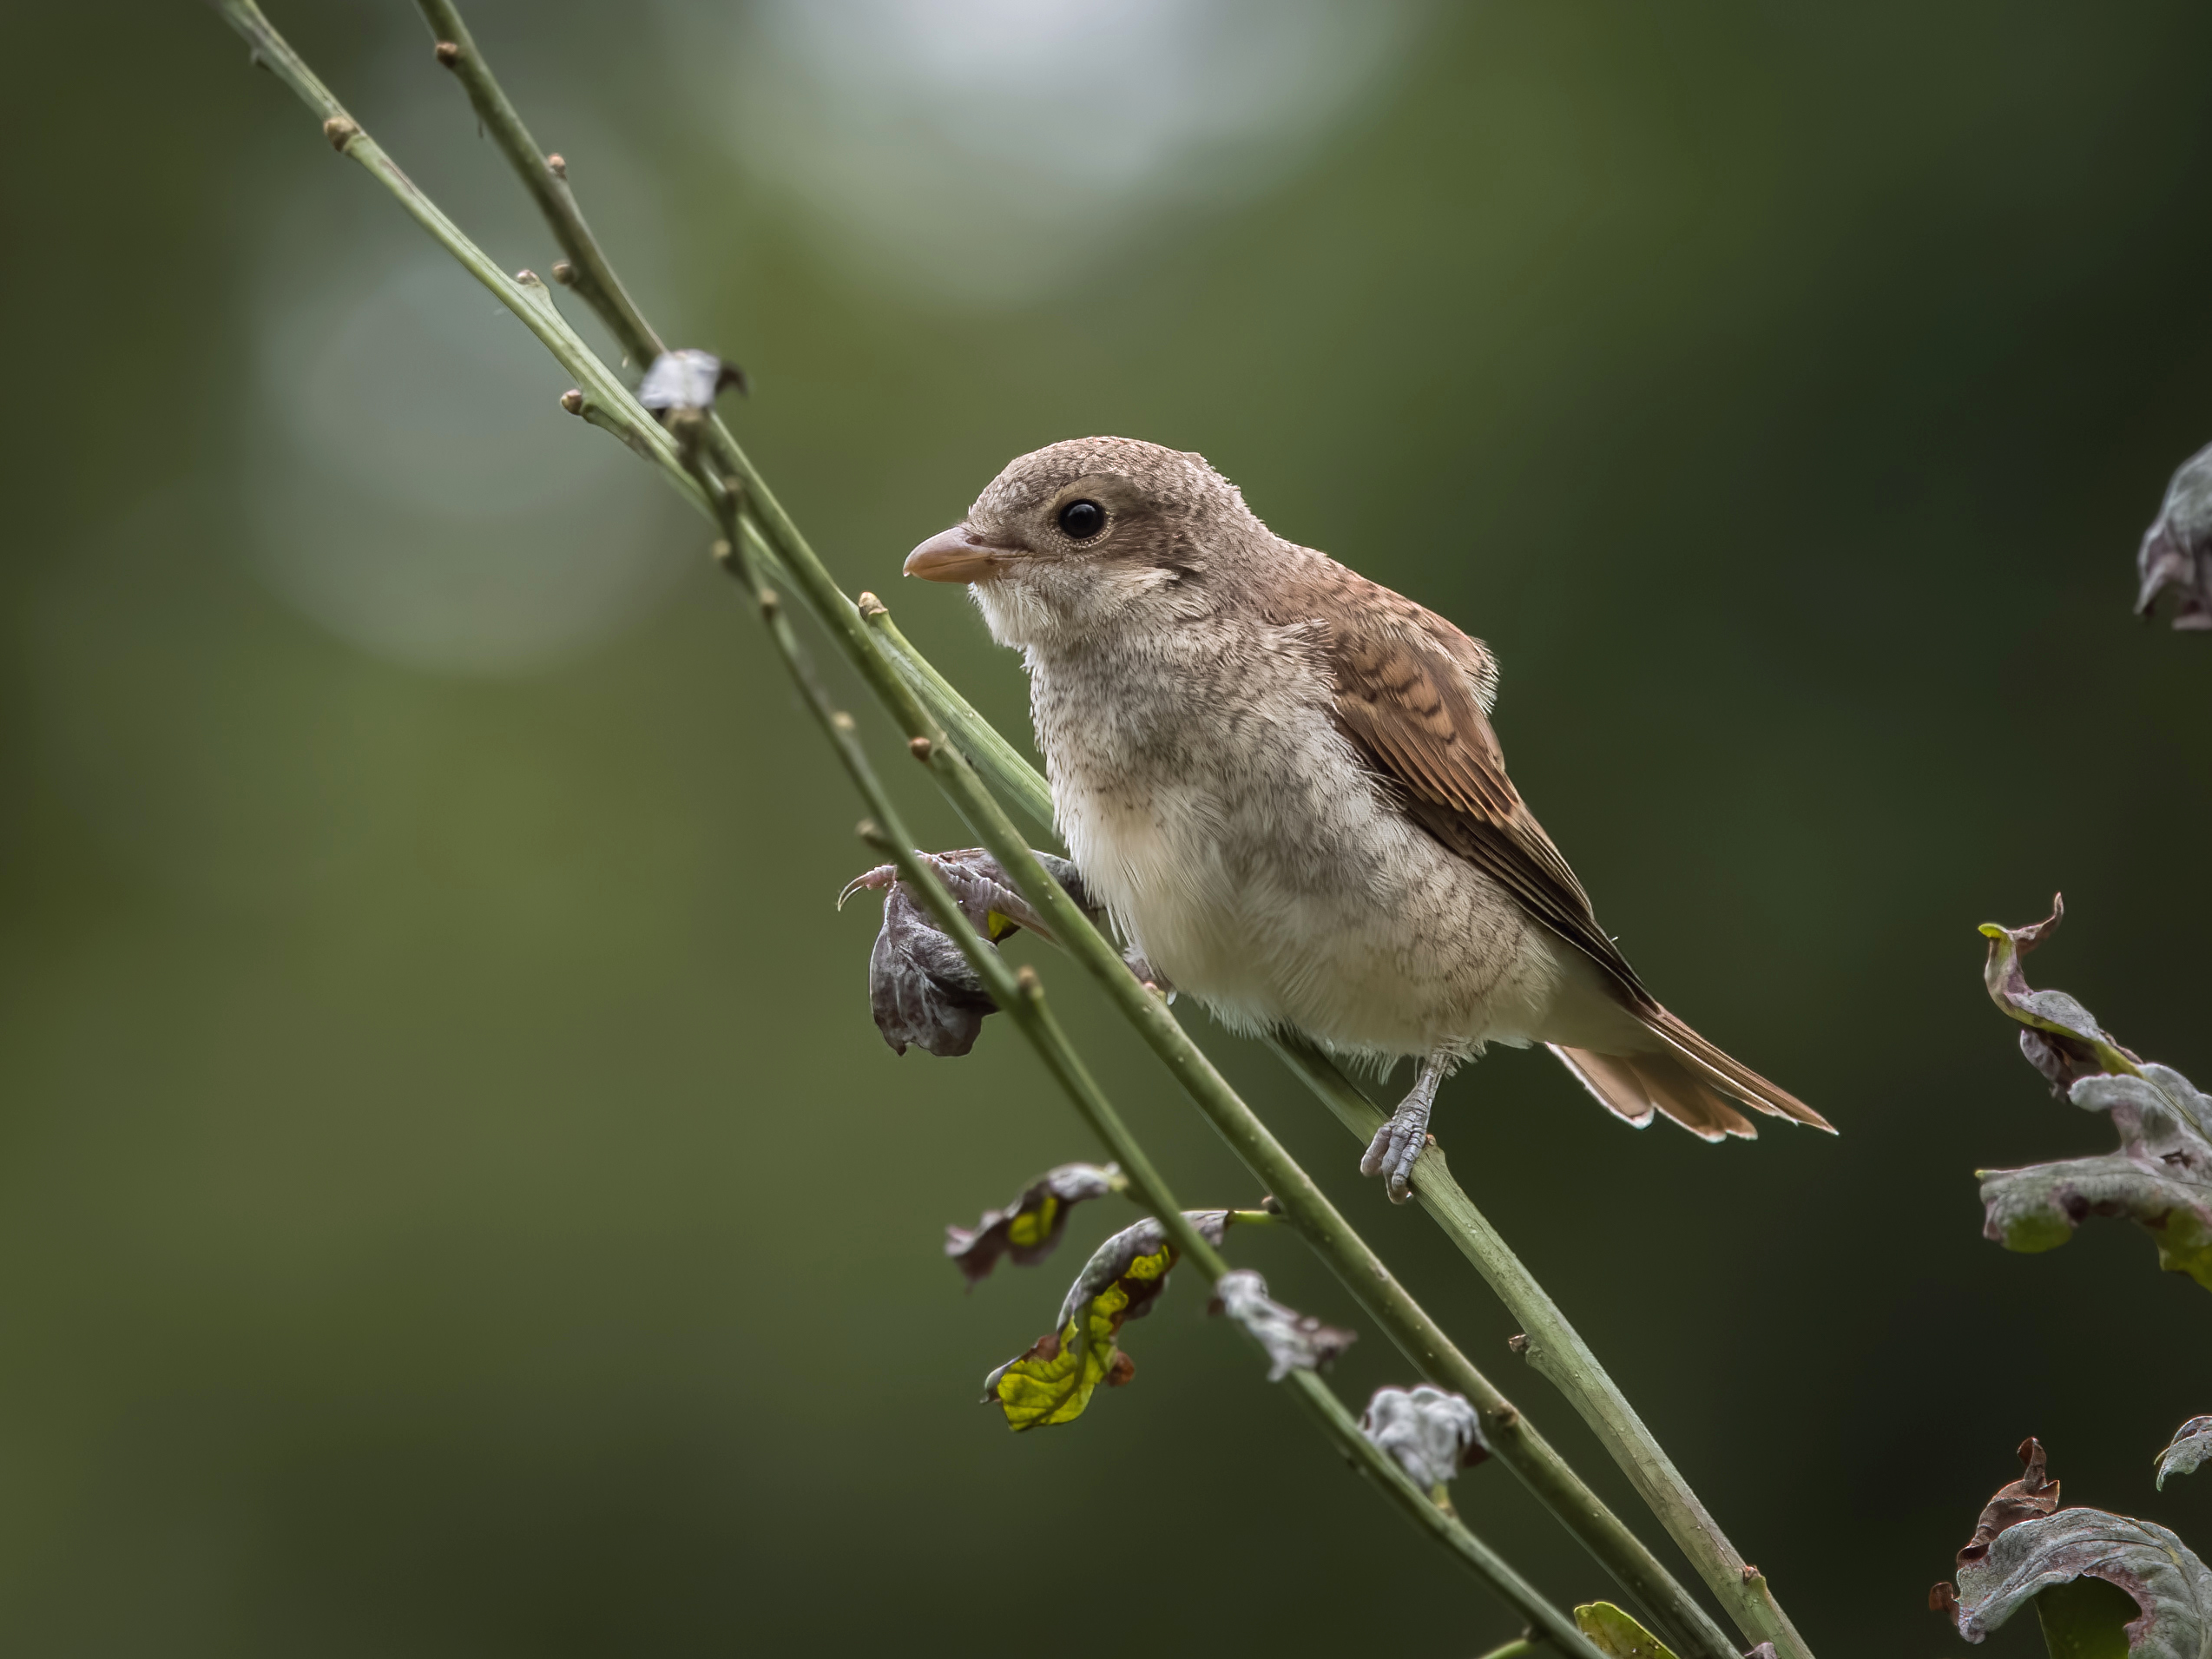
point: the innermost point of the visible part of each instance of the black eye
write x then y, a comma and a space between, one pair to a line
1082, 519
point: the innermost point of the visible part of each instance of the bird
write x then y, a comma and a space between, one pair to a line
1281, 780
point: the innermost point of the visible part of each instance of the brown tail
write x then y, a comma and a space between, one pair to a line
1685, 1080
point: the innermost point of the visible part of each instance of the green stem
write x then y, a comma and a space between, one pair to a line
588, 270
927, 706
996, 758
1022, 995
1518, 1649
1558, 1352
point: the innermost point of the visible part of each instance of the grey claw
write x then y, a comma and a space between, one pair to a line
1392, 1152
1371, 1160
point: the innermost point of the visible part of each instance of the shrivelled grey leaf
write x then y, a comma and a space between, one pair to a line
1433, 1435
920, 986
2176, 549
1294, 1341
2191, 1445
2168, 1582
2161, 1176
1027, 1229
686, 379
1147, 1241
921, 989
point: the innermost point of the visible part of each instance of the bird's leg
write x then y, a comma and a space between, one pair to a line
1400, 1141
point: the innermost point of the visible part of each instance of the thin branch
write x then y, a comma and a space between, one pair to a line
921, 699
1558, 1352
1022, 995
587, 269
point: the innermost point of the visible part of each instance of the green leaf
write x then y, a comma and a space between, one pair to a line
2086, 1619
1052, 1383
1614, 1634
2191, 1445
2160, 1178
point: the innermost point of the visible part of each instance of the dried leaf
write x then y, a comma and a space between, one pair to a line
1433, 1434
1028, 1228
1294, 1341
2064, 1040
2191, 1445
2171, 1587
686, 379
1054, 1380
2030, 1497
920, 988
2025, 1547
1614, 1634
2161, 1176
2176, 549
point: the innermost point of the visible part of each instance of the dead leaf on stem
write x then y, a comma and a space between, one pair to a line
1294, 1341
1433, 1435
921, 989
1029, 1229
2027, 1547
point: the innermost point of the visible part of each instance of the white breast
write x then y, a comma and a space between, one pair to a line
1236, 839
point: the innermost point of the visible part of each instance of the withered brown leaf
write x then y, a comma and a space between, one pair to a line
1029, 1229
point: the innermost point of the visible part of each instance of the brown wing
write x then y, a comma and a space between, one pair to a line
1411, 691
1406, 694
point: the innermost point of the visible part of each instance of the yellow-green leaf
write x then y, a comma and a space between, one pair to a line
1615, 1635
1054, 1380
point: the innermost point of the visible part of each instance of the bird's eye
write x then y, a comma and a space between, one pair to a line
1082, 519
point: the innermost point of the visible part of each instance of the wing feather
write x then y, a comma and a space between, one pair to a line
1413, 696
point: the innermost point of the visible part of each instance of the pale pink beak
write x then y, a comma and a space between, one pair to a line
956, 556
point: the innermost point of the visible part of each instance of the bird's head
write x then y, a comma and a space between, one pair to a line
1091, 536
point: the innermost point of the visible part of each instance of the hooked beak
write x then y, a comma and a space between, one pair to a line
956, 556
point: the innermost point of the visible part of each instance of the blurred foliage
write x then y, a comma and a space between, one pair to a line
427, 1049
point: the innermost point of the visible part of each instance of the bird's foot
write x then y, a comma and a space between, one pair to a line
1400, 1141
982, 889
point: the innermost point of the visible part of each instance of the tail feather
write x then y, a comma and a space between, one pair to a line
1684, 1078
1731, 1076
1638, 1086
1610, 1079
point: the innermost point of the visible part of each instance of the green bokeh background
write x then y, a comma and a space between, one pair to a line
452, 1200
